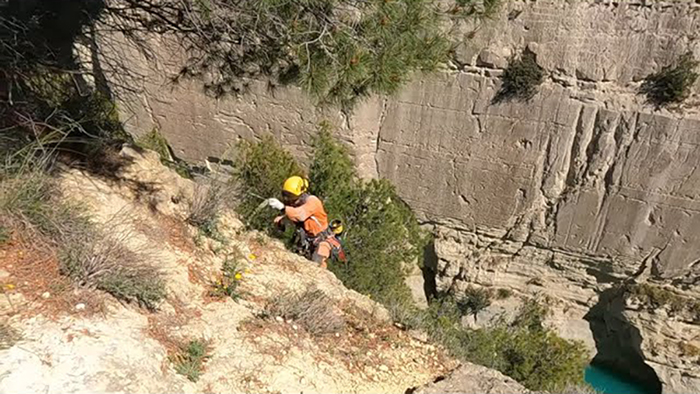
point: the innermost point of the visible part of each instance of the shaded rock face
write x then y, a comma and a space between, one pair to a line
580, 188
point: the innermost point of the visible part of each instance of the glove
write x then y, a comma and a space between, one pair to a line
275, 204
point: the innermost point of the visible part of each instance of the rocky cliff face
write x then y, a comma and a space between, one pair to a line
581, 187
69, 340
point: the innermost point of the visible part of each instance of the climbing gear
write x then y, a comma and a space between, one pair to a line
295, 185
337, 227
308, 246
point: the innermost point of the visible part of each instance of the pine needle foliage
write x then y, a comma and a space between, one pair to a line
336, 50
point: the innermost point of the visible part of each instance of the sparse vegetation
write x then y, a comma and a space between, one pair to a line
655, 297
4, 234
473, 300
8, 336
672, 84
521, 78
89, 255
524, 349
206, 206
502, 294
155, 141
190, 358
480, 9
312, 309
229, 280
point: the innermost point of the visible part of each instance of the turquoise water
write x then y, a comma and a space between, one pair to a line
609, 382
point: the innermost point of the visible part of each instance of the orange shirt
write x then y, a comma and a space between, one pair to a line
311, 213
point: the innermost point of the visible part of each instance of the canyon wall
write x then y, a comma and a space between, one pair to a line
566, 195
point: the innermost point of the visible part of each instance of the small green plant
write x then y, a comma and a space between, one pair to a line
502, 293
312, 309
655, 297
521, 78
4, 234
479, 9
205, 208
155, 141
229, 280
531, 315
672, 84
473, 300
8, 336
190, 358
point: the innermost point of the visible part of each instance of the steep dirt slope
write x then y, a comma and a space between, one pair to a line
85, 341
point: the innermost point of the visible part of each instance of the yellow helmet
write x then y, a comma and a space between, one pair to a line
295, 186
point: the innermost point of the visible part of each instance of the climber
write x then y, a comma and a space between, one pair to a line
307, 212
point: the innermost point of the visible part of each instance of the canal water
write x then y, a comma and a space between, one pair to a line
607, 381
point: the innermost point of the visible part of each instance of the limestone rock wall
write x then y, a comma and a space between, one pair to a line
581, 187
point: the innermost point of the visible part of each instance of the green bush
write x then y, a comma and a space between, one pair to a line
190, 358
381, 235
155, 141
672, 84
523, 350
473, 300
521, 78
381, 232
502, 294
261, 169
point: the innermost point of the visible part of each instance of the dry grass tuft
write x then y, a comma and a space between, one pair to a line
8, 336
312, 309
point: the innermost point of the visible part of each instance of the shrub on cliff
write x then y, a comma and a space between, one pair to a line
521, 78
381, 231
672, 84
382, 235
524, 350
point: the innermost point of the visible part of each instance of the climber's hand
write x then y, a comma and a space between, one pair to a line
275, 204
279, 222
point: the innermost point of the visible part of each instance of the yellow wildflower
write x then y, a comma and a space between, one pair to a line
238, 276
252, 256
10, 286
